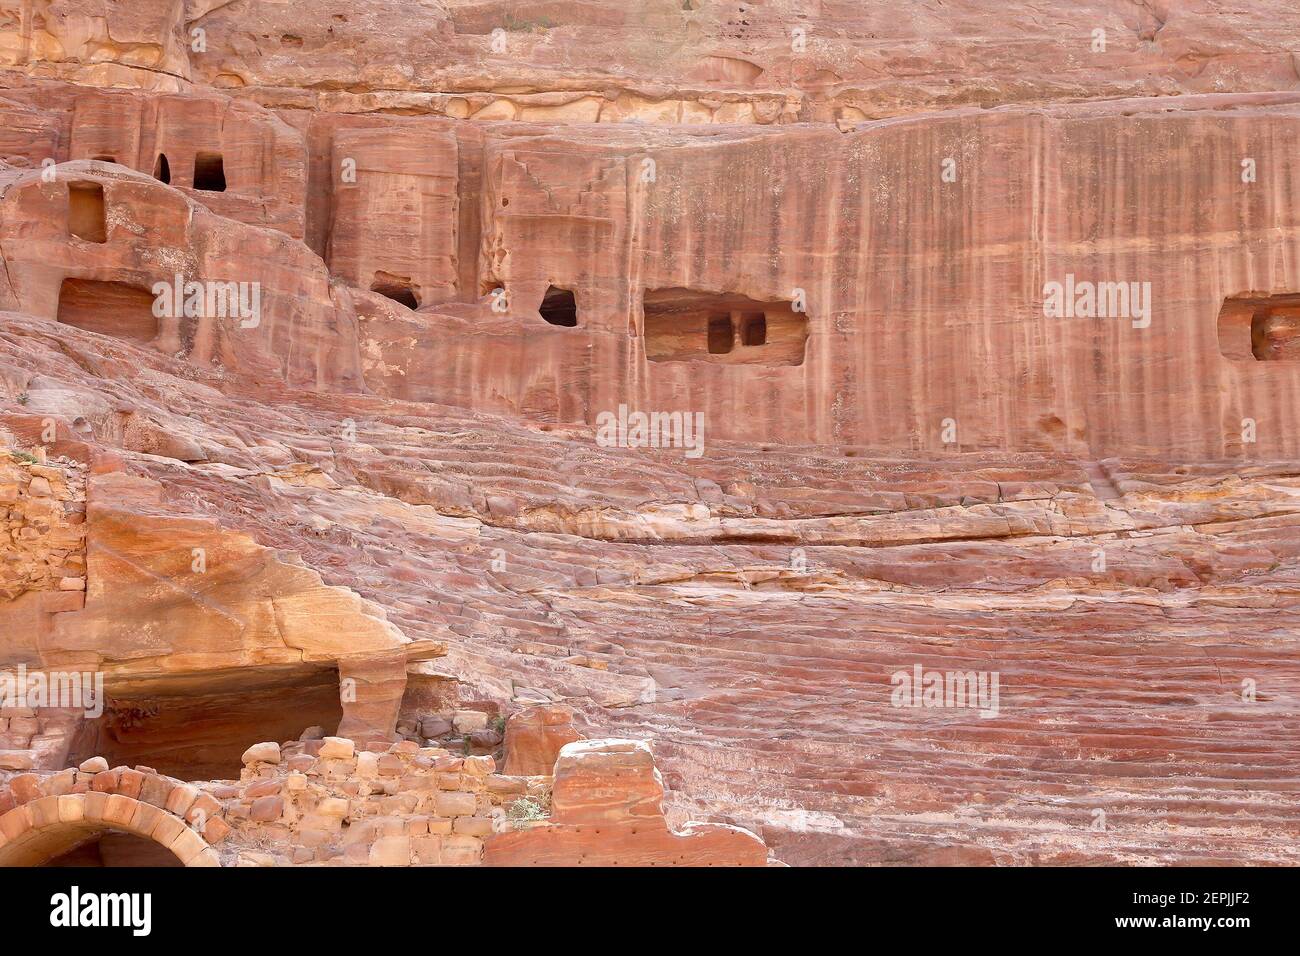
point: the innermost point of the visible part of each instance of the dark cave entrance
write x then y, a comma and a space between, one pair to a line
398, 288
115, 848
210, 172
720, 334
559, 307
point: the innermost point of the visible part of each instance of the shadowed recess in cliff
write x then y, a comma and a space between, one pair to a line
1260, 328
559, 307
210, 172
109, 308
196, 726
115, 848
86, 217
683, 325
398, 288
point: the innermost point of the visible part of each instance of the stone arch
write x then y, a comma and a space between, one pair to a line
42, 816
46, 827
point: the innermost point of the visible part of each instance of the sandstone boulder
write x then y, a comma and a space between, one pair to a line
535, 736
613, 786
267, 752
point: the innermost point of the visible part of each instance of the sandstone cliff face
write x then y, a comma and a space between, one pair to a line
987, 552
937, 345
659, 61
89, 248
435, 217
239, 160
99, 43
753, 627
183, 617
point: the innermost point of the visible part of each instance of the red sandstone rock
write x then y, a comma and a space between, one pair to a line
663, 61
268, 752
534, 738
369, 484
607, 811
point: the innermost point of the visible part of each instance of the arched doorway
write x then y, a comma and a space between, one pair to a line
113, 849
52, 829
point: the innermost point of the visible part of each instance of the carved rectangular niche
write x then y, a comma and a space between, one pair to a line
196, 725
86, 218
1261, 328
109, 308
685, 325
210, 172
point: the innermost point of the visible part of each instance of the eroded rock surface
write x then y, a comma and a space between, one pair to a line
946, 577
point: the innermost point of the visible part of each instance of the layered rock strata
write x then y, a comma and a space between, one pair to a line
322, 339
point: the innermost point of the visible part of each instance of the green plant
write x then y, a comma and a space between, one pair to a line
24, 456
499, 724
523, 811
23, 398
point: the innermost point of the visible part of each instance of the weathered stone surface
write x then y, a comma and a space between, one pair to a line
336, 748
611, 789
535, 736
152, 233
134, 130
830, 233
664, 61
267, 752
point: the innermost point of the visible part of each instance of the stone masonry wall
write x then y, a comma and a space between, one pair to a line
44, 507
42, 571
326, 802
334, 803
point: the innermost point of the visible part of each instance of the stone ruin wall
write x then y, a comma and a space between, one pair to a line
327, 802
45, 504
43, 573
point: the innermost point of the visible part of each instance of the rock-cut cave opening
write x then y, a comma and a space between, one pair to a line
398, 288
753, 328
162, 170
109, 308
721, 334
197, 726
87, 219
210, 172
685, 325
559, 307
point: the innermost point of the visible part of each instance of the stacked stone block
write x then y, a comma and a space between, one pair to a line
332, 802
58, 810
43, 504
